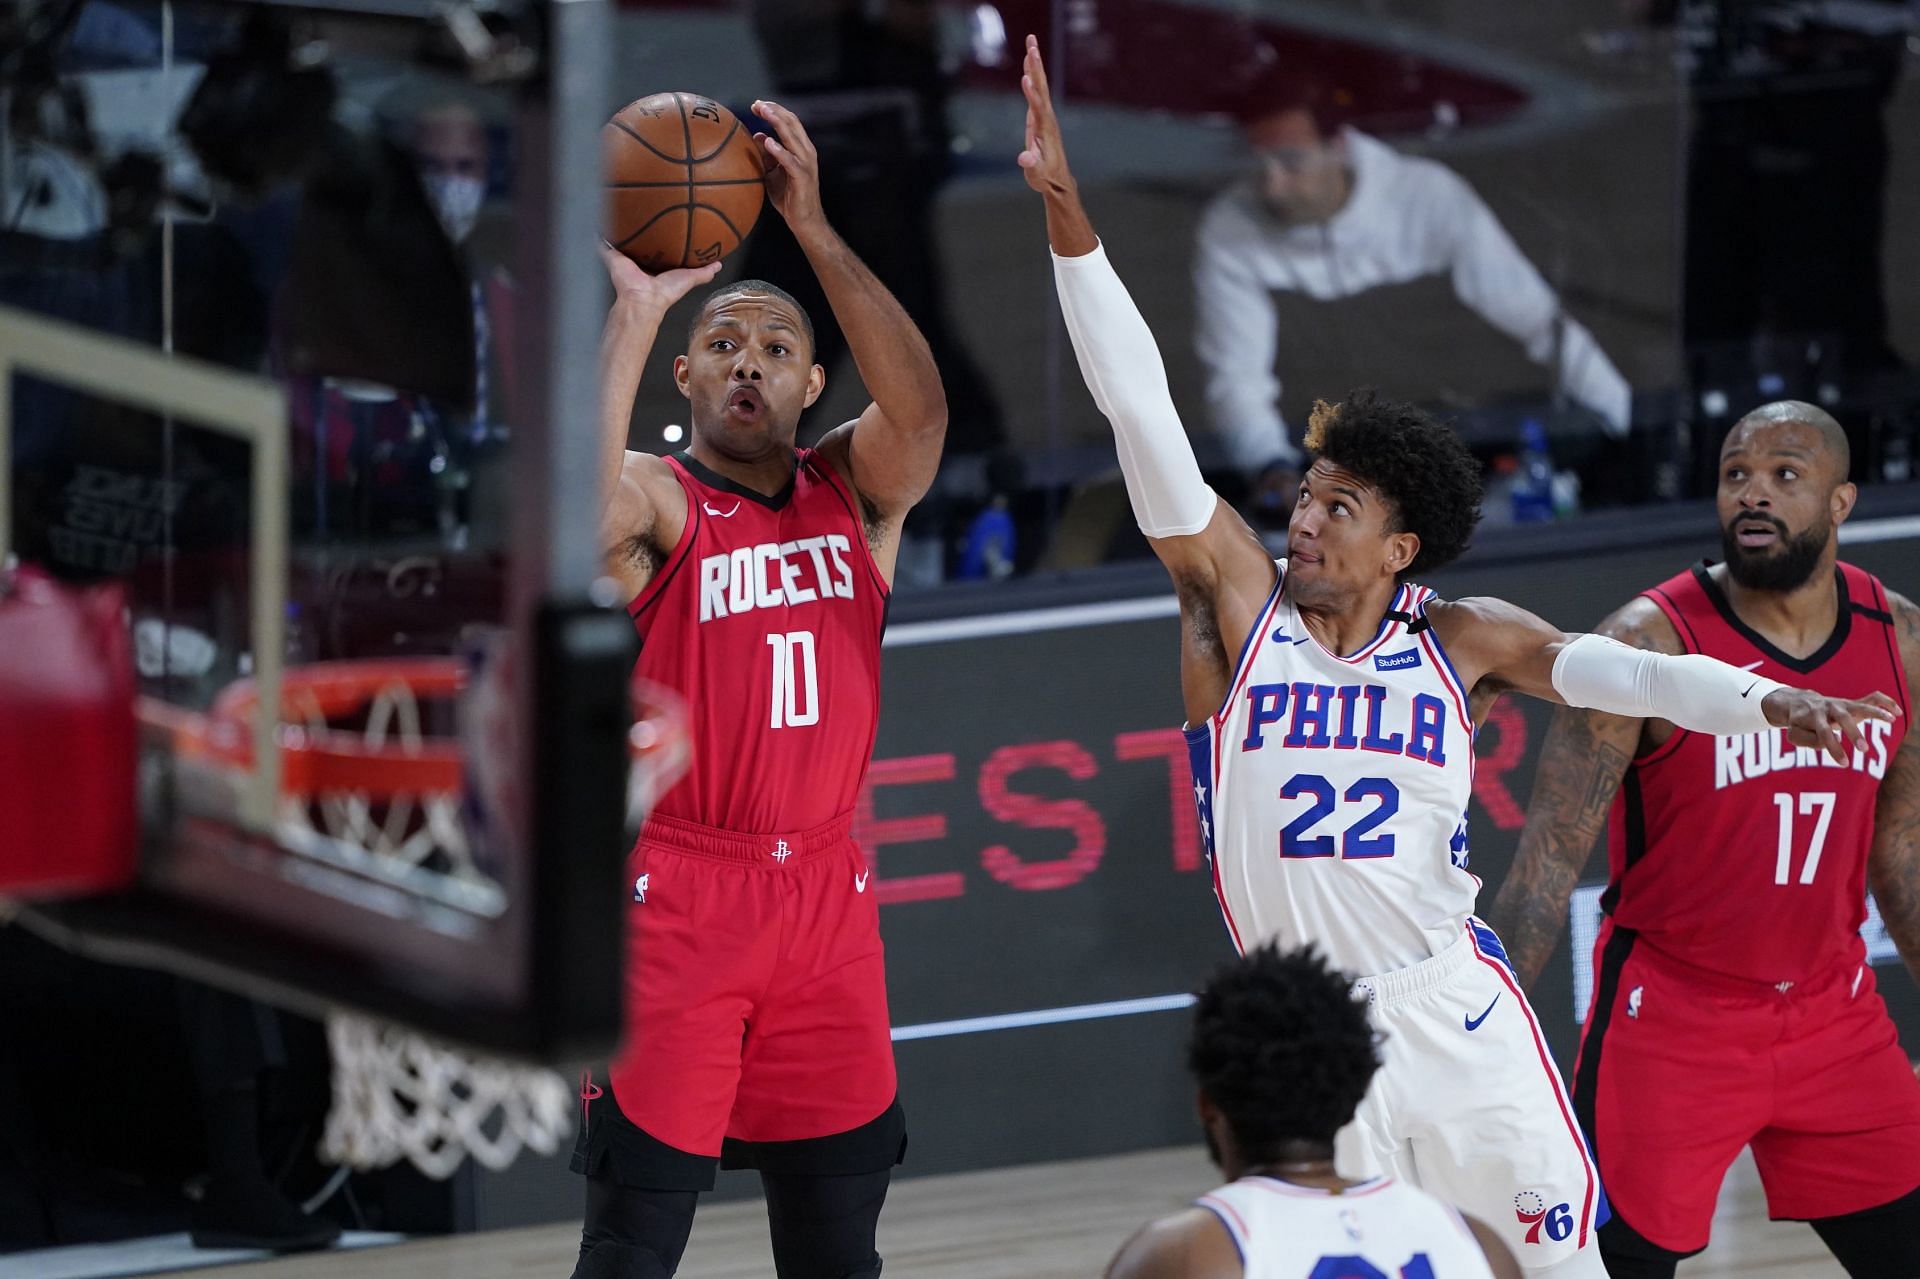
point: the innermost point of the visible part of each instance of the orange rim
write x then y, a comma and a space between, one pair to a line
322, 760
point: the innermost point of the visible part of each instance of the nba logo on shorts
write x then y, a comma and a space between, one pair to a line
640, 890
1633, 1002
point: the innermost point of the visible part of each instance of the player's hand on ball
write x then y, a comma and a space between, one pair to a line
631, 284
793, 174
1830, 724
1045, 160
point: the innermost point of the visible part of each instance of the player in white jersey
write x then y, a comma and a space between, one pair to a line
1282, 1050
1331, 705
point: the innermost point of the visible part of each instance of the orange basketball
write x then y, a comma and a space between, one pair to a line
685, 180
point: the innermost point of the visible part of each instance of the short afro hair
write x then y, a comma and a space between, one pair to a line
1282, 1046
760, 288
1417, 464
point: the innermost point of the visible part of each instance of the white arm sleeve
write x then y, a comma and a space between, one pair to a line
1122, 367
1699, 693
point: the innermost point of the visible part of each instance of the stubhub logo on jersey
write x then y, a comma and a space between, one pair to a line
1753, 755
1325, 717
1397, 661
775, 575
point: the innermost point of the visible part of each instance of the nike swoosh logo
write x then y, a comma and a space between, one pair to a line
860, 882
711, 509
1473, 1023
1749, 689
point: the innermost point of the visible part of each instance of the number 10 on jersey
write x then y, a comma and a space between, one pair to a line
796, 684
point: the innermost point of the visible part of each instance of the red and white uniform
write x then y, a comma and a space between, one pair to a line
766, 618
1734, 1005
756, 998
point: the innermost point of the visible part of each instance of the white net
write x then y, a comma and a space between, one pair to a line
417, 841
400, 1095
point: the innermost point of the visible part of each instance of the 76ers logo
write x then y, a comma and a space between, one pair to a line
1531, 1208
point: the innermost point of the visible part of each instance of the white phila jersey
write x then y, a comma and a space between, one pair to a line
1333, 791
1380, 1227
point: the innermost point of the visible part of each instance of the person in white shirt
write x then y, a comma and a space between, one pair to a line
1283, 1050
1331, 214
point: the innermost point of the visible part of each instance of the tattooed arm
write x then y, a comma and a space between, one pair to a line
1585, 756
1893, 867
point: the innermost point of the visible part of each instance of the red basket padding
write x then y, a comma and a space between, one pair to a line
68, 821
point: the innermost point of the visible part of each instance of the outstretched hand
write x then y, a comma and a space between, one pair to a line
1830, 724
632, 283
1044, 162
793, 168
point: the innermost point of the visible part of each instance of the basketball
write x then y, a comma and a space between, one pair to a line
685, 181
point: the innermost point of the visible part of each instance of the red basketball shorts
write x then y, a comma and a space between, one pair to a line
1680, 1068
756, 992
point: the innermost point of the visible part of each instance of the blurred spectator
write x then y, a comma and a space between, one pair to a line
1331, 213
989, 550
451, 146
383, 459
865, 77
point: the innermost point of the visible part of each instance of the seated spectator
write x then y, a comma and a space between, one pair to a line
1331, 213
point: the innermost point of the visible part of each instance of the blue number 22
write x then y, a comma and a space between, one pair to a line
1358, 841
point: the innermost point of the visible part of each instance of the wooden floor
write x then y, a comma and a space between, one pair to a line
1046, 1221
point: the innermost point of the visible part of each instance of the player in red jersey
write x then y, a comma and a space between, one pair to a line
758, 576
1733, 1002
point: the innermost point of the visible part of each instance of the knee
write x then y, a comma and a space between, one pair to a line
632, 1233
1878, 1243
612, 1259
823, 1226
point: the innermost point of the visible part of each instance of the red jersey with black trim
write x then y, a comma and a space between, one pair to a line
766, 617
1745, 855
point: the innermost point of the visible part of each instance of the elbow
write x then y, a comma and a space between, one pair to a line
933, 420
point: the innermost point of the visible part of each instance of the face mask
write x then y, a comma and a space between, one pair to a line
456, 201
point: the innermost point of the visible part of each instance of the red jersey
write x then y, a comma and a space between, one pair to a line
766, 617
1745, 855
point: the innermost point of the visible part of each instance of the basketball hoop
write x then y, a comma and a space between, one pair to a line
374, 779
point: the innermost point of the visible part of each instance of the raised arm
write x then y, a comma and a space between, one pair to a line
1893, 866
1492, 639
1585, 756
1220, 570
629, 484
892, 450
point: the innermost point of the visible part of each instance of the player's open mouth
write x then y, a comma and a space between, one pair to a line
745, 403
1756, 533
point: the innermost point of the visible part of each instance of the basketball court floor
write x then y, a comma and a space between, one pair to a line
1041, 1221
